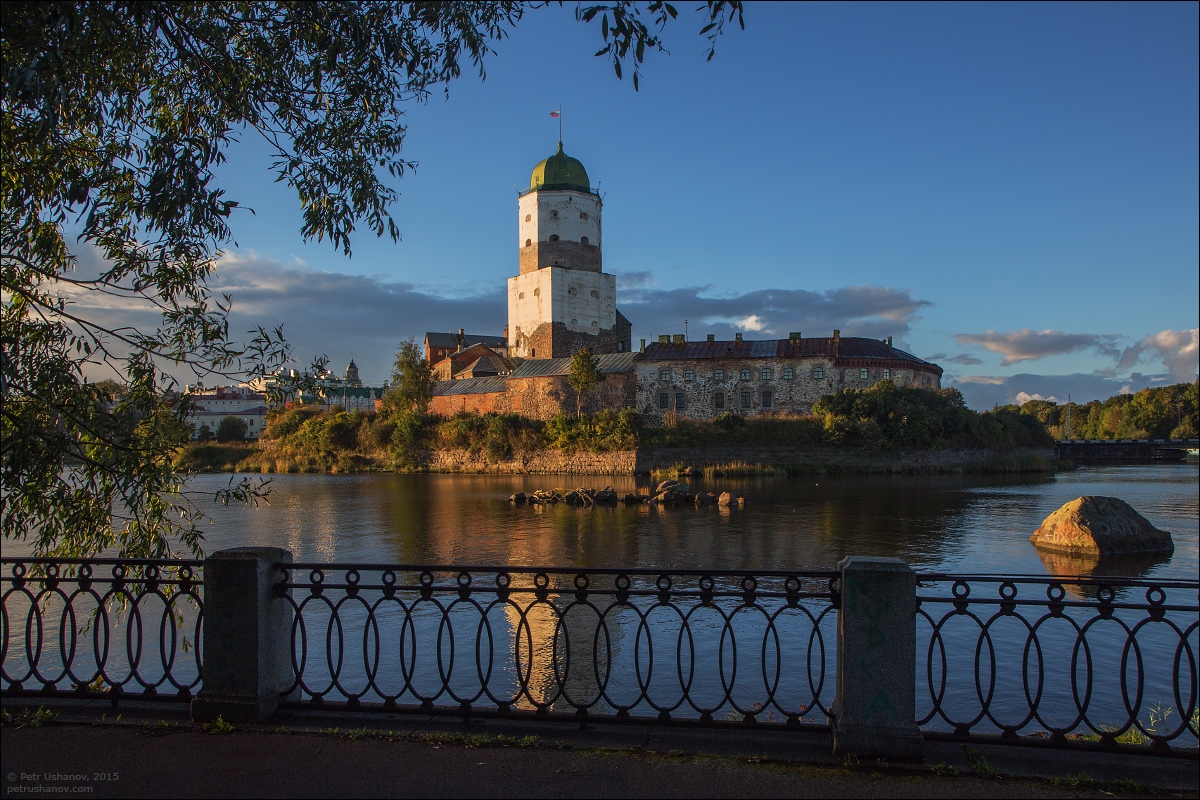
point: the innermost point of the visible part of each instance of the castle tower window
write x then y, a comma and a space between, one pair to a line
787, 373
718, 375
719, 400
887, 374
689, 375
553, 215
767, 374
746, 399
528, 217
766, 399
583, 216
745, 374
528, 242
583, 240
862, 373
554, 237
818, 373
521, 296
664, 400
664, 375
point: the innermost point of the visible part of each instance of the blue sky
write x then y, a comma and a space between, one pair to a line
1010, 190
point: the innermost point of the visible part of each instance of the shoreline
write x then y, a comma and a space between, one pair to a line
665, 462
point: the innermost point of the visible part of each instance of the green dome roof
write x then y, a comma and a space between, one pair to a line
560, 171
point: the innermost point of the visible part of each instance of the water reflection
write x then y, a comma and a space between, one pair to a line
945, 523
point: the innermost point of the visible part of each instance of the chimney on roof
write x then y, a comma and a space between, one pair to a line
506, 334
737, 337
711, 337
642, 346
889, 341
664, 338
837, 341
794, 336
678, 338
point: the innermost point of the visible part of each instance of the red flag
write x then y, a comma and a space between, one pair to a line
554, 113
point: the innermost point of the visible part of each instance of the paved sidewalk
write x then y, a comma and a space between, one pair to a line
155, 752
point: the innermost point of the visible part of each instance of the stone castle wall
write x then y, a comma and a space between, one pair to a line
629, 462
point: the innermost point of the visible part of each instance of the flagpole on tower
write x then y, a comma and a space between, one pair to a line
560, 124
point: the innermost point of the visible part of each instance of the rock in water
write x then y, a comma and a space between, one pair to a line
1101, 526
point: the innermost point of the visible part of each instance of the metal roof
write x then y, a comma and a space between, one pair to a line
546, 367
820, 347
468, 386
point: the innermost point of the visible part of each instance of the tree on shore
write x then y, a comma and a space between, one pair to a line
584, 375
232, 429
412, 381
115, 118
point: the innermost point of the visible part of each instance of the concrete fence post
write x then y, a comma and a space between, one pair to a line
875, 708
247, 651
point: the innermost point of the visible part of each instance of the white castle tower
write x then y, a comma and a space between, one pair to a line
562, 300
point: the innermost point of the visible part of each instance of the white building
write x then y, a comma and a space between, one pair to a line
562, 299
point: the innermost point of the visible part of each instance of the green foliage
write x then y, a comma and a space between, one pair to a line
1160, 412
412, 381
887, 416
605, 430
232, 429
204, 434
584, 375
733, 430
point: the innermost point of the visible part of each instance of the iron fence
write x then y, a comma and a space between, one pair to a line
1073, 661
101, 627
684, 646
1064, 662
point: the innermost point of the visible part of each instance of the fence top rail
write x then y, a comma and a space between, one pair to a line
1048, 580
529, 570
101, 562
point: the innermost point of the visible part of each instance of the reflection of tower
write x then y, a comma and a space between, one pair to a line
552, 640
352, 373
561, 300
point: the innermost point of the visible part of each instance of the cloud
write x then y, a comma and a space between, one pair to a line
336, 315
965, 359
1179, 351
1024, 397
634, 280
1030, 345
871, 311
985, 391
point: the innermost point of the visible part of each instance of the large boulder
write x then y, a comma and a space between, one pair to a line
1101, 526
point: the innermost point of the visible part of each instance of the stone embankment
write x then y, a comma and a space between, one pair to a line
790, 459
667, 493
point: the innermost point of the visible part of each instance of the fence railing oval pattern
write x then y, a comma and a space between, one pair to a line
528, 639
1056, 661
1138, 637
102, 626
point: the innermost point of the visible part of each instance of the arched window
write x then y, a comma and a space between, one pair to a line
718, 375
689, 375
528, 217
745, 374
583, 215
583, 240
553, 215
521, 296
664, 374
554, 237
767, 374
528, 242
787, 373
